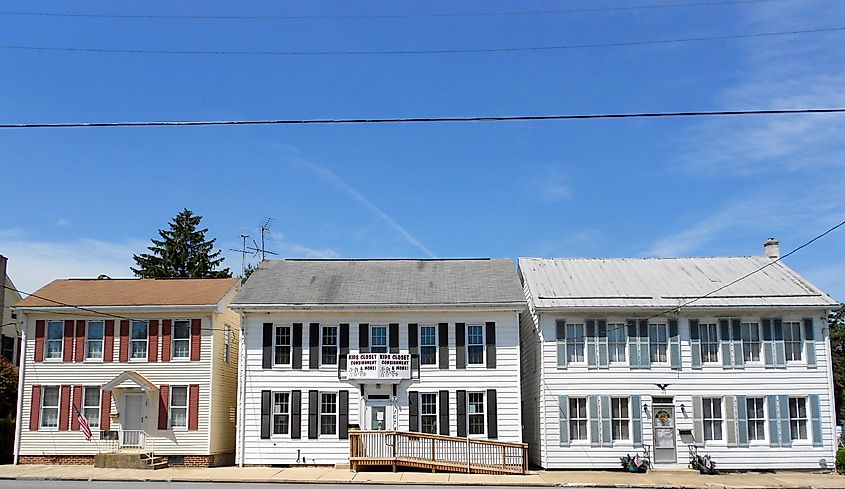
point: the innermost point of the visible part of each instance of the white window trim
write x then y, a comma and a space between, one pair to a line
147, 351
41, 418
765, 440
483, 363
187, 409
173, 340
586, 439
336, 415
801, 341
336, 346
99, 405
273, 415
630, 439
61, 341
436, 412
386, 337
436, 345
718, 341
289, 345
722, 418
484, 413
808, 423
583, 339
665, 328
99, 359
760, 355
620, 326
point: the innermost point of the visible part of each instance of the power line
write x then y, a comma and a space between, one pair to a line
378, 16
422, 51
402, 120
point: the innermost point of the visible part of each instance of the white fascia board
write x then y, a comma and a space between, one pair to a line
666, 309
108, 309
496, 306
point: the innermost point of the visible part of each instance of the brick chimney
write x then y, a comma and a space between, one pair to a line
771, 248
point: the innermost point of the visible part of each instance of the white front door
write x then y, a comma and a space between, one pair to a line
132, 421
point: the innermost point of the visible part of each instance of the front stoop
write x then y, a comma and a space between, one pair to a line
134, 460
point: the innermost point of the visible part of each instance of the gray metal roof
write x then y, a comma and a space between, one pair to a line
382, 282
665, 283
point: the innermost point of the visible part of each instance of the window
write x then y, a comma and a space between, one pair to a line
181, 338
712, 415
658, 343
281, 413
475, 344
328, 413
53, 345
50, 408
428, 413
281, 346
617, 338
792, 340
378, 339
138, 343
227, 342
750, 342
94, 340
577, 418
328, 351
575, 343
798, 417
91, 406
709, 336
178, 407
475, 412
428, 345
619, 418
756, 419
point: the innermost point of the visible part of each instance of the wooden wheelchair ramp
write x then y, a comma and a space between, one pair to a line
436, 453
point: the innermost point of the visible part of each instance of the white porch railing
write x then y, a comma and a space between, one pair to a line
126, 440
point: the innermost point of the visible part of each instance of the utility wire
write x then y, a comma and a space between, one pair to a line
400, 120
378, 16
422, 51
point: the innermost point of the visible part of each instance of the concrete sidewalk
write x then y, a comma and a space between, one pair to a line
324, 475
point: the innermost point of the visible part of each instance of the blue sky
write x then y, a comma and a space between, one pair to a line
80, 202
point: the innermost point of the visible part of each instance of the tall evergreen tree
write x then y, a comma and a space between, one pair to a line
837, 350
182, 252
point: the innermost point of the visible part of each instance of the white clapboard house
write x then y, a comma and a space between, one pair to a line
624, 356
151, 365
335, 346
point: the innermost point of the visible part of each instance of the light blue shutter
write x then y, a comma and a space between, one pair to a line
563, 408
774, 421
780, 347
595, 432
730, 421
560, 330
768, 343
645, 354
695, 344
698, 421
810, 342
674, 345
736, 342
606, 439
601, 329
725, 334
816, 417
783, 418
742, 421
636, 421
633, 349
590, 344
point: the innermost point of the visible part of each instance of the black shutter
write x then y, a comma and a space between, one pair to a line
491, 345
461, 398
363, 338
344, 345
314, 345
492, 415
393, 337
413, 411
296, 346
343, 418
296, 415
414, 346
267, 346
266, 408
443, 412
313, 415
460, 345
443, 345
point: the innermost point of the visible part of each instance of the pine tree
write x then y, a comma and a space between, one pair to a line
182, 252
837, 350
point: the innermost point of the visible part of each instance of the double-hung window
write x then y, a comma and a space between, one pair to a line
617, 338
94, 340
475, 344
619, 418
428, 413
658, 341
756, 419
91, 406
179, 407
575, 343
798, 418
475, 413
181, 338
50, 408
328, 413
328, 350
577, 418
750, 342
53, 344
709, 336
378, 339
428, 345
281, 413
138, 340
712, 418
792, 341
281, 345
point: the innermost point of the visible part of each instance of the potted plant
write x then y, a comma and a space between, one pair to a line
635, 464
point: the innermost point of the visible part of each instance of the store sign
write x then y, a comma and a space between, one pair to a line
378, 366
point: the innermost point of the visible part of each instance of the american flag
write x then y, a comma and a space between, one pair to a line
83, 424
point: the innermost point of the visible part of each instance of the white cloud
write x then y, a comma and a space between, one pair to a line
548, 184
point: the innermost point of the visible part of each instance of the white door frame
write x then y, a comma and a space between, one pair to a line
133, 437
389, 413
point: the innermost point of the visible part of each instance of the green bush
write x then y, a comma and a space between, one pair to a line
840, 460
7, 440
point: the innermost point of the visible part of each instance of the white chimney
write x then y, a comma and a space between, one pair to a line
771, 248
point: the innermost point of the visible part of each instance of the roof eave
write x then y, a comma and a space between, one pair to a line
502, 306
116, 308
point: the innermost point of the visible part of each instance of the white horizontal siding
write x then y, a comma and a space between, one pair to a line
530, 347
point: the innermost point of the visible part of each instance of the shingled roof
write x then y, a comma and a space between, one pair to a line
382, 282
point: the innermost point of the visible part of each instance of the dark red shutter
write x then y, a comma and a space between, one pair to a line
195, 339
108, 341
80, 340
77, 404
152, 349
124, 341
64, 408
39, 340
163, 406
105, 409
193, 407
35, 406
165, 340
67, 353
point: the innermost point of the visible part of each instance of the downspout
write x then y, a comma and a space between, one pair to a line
242, 390
20, 393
